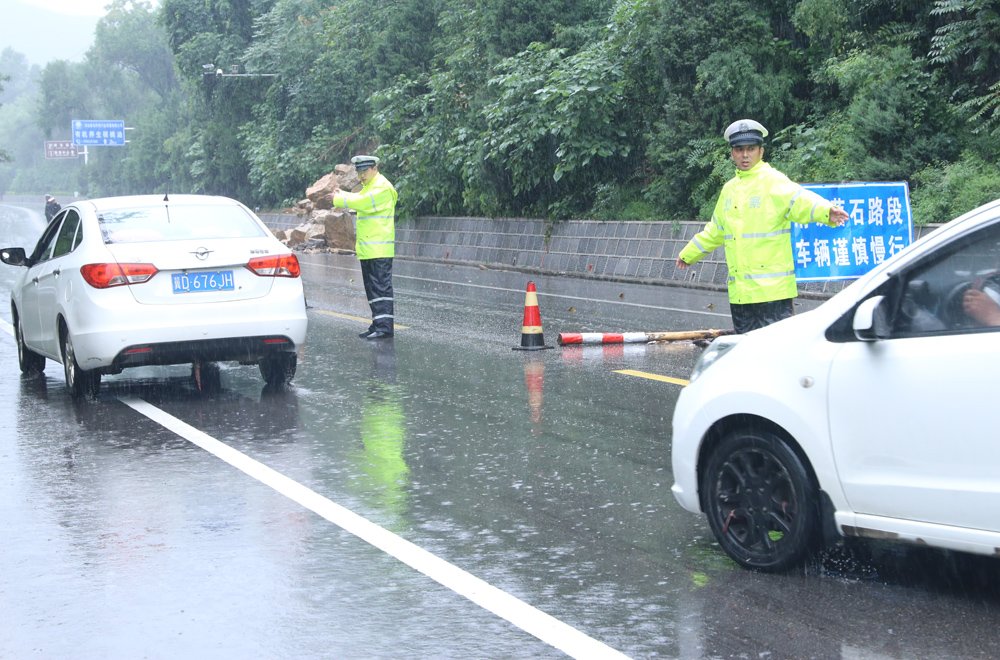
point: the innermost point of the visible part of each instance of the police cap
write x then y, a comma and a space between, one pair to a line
745, 131
362, 163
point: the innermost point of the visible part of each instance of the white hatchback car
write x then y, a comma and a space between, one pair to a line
152, 280
870, 416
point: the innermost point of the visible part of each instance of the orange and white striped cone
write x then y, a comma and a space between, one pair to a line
531, 330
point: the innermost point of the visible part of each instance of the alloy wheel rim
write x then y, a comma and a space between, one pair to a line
69, 362
755, 500
20, 342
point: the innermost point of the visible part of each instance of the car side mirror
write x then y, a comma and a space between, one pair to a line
871, 320
13, 256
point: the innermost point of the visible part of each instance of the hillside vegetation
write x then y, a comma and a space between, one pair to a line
545, 108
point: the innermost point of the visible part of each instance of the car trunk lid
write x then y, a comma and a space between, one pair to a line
197, 271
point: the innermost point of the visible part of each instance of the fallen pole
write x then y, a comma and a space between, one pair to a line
566, 338
573, 338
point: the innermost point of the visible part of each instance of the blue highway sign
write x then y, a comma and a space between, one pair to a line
879, 226
98, 132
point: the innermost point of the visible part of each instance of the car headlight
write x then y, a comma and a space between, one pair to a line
714, 352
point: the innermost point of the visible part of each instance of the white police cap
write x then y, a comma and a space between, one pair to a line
364, 162
745, 131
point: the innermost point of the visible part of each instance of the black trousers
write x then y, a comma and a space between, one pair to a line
758, 315
377, 276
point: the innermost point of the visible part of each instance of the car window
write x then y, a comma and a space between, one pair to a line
67, 233
957, 290
78, 237
176, 223
44, 245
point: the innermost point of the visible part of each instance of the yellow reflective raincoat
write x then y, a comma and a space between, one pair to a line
376, 207
753, 219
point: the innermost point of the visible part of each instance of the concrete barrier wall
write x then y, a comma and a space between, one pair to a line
280, 221
37, 199
627, 251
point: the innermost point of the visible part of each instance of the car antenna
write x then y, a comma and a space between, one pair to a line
166, 206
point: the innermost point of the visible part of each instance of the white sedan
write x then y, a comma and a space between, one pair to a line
152, 280
870, 416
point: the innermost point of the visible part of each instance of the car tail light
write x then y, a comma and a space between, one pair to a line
105, 276
284, 265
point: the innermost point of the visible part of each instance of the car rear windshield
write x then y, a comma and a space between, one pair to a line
177, 223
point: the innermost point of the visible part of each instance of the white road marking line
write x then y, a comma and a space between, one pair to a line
541, 293
529, 619
7, 327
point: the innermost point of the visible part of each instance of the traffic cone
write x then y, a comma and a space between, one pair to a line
531, 330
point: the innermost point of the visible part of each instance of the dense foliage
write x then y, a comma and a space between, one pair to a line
555, 108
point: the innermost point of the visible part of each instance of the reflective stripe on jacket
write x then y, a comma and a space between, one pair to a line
376, 207
753, 219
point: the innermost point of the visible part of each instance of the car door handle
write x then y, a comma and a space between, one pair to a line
57, 271
34, 280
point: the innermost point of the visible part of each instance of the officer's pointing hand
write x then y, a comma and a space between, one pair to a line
838, 216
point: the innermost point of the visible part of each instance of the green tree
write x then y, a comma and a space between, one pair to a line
27, 170
130, 39
66, 94
215, 34
970, 46
4, 156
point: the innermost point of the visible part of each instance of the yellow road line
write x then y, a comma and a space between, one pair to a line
643, 374
358, 318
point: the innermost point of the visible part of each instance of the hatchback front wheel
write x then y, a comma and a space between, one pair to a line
761, 502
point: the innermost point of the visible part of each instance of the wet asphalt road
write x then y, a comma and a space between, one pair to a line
545, 474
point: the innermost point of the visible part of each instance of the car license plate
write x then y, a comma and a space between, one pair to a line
221, 280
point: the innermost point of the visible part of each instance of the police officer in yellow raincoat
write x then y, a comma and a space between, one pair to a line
375, 245
753, 219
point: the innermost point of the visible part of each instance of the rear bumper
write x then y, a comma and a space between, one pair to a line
116, 334
246, 350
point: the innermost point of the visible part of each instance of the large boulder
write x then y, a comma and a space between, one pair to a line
305, 232
318, 194
347, 177
321, 188
338, 228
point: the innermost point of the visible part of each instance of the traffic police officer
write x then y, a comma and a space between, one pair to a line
51, 208
753, 220
375, 245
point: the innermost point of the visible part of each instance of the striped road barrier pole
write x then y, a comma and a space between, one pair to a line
571, 338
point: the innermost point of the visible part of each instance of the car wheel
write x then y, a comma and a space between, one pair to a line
761, 503
81, 383
31, 363
278, 369
207, 377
